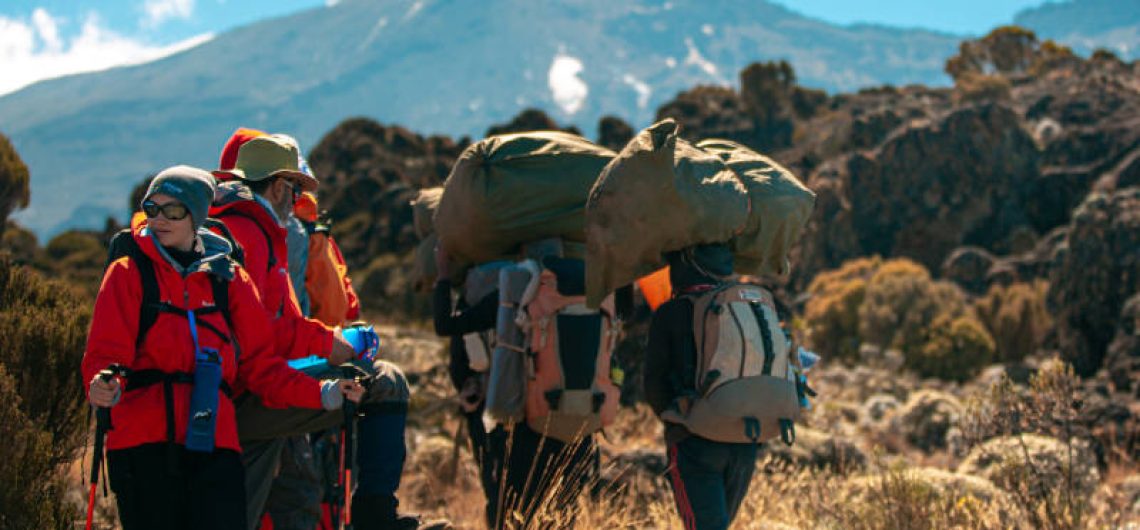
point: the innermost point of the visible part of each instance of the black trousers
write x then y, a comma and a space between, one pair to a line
710, 480
192, 491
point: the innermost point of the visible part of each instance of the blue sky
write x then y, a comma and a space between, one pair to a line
40, 39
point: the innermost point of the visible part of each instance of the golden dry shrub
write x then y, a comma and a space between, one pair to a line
922, 498
900, 304
956, 349
982, 87
1016, 318
831, 315
1053, 478
43, 327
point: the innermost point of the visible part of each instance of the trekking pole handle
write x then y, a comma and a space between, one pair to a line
103, 414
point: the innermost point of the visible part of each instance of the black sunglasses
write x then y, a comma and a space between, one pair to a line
175, 211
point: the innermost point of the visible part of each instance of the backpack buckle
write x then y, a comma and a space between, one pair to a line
787, 431
752, 429
553, 398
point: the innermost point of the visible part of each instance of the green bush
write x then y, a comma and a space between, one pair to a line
901, 303
831, 315
76, 257
956, 349
896, 304
14, 192
1016, 318
43, 328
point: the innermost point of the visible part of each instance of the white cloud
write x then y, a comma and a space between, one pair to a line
47, 29
158, 11
696, 59
34, 50
330, 3
568, 90
643, 90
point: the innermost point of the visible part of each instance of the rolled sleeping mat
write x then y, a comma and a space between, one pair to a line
506, 386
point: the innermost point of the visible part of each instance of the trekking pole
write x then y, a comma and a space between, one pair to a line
102, 425
349, 461
348, 447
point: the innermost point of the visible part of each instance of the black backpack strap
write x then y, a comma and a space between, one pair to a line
123, 244
268, 240
237, 253
150, 305
221, 288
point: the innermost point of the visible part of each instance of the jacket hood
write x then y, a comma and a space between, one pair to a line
215, 250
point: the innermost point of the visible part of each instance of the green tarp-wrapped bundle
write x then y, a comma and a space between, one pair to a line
510, 189
423, 209
662, 193
781, 206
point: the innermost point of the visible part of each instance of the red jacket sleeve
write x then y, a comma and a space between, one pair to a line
260, 370
298, 336
294, 336
115, 320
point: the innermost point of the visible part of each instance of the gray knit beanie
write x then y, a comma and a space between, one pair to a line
189, 185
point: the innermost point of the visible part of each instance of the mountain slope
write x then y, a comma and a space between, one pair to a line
440, 66
1086, 25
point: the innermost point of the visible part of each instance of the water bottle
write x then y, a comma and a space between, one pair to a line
204, 401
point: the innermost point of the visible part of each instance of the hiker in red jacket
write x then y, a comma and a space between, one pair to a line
173, 452
254, 205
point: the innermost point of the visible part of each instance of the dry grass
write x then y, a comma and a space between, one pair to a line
900, 487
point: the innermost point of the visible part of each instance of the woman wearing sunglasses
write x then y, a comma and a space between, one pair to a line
173, 454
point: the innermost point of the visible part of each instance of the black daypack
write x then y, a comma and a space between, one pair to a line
123, 244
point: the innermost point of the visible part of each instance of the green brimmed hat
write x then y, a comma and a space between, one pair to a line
269, 156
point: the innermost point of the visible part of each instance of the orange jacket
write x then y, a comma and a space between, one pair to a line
140, 416
332, 299
263, 240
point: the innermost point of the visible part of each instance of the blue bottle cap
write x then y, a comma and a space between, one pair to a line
364, 340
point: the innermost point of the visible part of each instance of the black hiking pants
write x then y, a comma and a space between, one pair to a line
194, 491
536, 474
709, 480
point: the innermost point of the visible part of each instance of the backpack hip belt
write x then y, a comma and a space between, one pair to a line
140, 379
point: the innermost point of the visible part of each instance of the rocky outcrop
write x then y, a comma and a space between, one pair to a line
369, 174
529, 120
1098, 270
969, 267
1123, 358
928, 420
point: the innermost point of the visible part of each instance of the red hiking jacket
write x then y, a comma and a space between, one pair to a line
140, 416
255, 229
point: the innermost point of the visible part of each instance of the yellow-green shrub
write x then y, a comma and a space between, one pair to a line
1015, 317
901, 302
956, 349
896, 304
831, 315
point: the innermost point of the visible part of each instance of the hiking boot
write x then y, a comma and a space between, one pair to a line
378, 512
